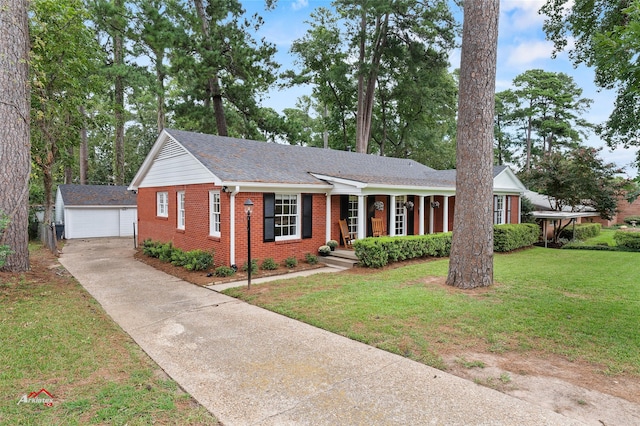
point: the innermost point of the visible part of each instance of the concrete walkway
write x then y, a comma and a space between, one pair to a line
249, 366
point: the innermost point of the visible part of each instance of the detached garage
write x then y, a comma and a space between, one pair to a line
89, 211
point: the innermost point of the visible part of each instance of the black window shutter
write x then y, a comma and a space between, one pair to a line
269, 201
307, 216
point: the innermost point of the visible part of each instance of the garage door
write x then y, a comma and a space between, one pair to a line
88, 223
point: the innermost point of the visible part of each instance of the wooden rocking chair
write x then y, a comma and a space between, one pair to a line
377, 227
347, 237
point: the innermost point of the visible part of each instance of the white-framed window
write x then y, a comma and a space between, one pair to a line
162, 204
401, 215
352, 220
214, 213
498, 209
181, 212
287, 217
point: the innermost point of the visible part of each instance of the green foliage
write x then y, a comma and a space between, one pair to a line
311, 259
627, 239
630, 219
577, 178
193, 260
526, 208
332, 244
5, 250
511, 237
224, 271
582, 231
254, 266
606, 35
269, 264
291, 262
379, 251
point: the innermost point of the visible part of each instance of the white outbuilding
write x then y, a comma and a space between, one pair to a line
89, 211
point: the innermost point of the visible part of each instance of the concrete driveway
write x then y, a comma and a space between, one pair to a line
249, 366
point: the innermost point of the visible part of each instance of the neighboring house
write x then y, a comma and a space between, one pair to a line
546, 215
192, 188
96, 211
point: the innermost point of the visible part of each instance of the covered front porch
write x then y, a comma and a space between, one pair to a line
400, 214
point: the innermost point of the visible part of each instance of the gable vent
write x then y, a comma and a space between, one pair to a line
170, 149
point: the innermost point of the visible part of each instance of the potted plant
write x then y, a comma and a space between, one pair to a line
324, 250
332, 244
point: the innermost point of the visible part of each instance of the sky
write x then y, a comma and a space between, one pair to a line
521, 46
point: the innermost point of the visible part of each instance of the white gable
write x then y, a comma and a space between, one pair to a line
507, 182
173, 165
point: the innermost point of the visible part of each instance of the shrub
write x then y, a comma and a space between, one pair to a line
324, 250
254, 266
583, 231
194, 260
630, 219
311, 259
224, 271
332, 244
269, 264
291, 262
627, 239
511, 237
379, 251
197, 260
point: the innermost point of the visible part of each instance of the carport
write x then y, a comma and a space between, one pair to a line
554, 216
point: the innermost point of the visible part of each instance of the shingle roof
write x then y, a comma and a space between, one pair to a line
240, 160
97, 195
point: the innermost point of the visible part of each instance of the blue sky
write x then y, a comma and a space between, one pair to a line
521, 46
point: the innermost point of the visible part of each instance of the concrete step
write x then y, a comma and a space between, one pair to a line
345, 259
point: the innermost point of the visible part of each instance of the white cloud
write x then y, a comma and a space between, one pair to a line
521, 14
526, 53
299, 4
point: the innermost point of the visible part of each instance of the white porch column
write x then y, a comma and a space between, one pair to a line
392, 216
445, 214
431, 212
232, 227
421, 215
362, 217
327, 225
519, 208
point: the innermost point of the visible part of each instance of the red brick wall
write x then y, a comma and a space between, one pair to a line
196, 232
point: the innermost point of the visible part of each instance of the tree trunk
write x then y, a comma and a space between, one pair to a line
367, 81
160, 76
84, 148
471, 259
213, 84
15, 148
118, 60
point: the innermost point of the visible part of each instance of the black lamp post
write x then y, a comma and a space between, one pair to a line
248, 206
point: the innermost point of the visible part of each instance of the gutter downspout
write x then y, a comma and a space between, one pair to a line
232, 226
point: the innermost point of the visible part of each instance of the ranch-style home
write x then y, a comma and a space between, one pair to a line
192, 190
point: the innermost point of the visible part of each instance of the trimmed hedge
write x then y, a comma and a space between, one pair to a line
511, 237
584, 231
627, 239
376, 252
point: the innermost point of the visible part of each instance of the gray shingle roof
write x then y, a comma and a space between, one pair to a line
97, 195
240, 160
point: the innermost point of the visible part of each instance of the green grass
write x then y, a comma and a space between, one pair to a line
55, 336
581, 305
606, 236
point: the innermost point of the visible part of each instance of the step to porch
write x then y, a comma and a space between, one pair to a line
343, 259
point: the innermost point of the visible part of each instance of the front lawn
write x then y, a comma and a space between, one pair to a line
580, 305
56, 337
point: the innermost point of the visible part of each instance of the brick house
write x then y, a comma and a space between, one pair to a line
192, 188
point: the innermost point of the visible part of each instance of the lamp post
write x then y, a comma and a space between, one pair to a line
248, 206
